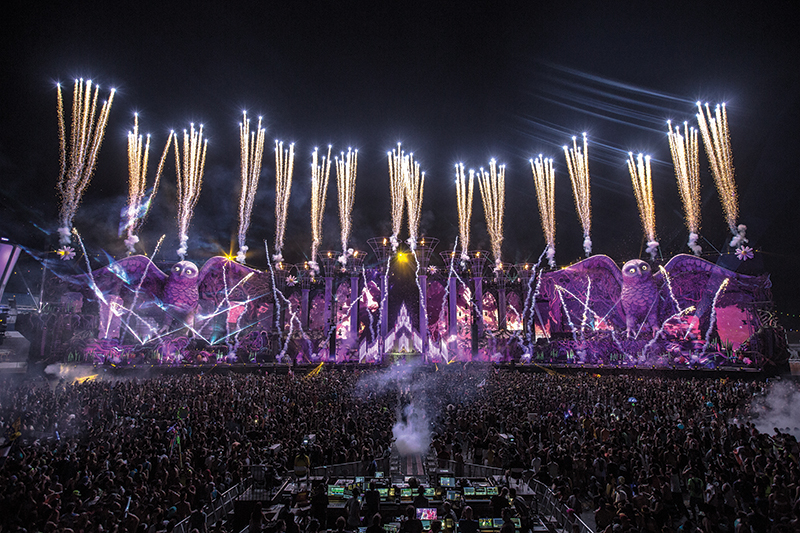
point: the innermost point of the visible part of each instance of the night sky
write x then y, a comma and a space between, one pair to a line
508, 80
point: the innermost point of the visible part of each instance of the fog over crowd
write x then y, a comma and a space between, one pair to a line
640, 453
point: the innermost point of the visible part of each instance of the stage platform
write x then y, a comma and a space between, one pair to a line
99, 370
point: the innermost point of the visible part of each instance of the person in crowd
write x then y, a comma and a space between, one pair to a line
420, 500
467, 524
410, 523
372, 502
353, 510
376, 524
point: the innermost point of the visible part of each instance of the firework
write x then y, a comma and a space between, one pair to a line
398, 162
251, 145
464, 202
717, 141
684, 149
284, 167
319, 192
346, 183
414, 187
190, 180
137, 182
492, 185
578, 165
643, 189
86, 136
545, 183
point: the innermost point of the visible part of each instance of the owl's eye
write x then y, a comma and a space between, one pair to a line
631, 270
644, 267
189, 271
176, 268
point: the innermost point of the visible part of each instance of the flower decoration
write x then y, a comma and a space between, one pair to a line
744, 253
66, 253
432, 269
291, 281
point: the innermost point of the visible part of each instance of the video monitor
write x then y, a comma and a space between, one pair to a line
452, 495
517, 523
405, 494
391, 528
362, 530
336, 491
448, 482
491, 491
392, 492
378, 474
426, 513
426, 525
430, 492
359, 479
469, 491
497, 523
384, 493
480, 491
485, 523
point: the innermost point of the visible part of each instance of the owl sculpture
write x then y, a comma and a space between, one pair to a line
638, 299
180, 289
181, 292
639, 296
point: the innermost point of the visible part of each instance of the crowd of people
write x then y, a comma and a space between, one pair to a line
645, 454
641, 453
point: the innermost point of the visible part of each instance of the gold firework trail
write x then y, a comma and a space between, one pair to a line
717, 141
284, 167
684, 149
415, 184
464, 192
86, 135
545, 183
319, 192
138, 207
346, 168
190, 180
578, 165
641, 178
251, 145
398, 164
492, 185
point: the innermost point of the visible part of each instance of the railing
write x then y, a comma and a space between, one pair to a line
356, 468
548, 505
222, 506
545, 503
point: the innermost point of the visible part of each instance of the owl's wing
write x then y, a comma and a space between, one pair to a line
134, 273
569, 287
692, 281
220, 276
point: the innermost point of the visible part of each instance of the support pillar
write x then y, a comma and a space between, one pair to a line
383, 252
328, 317
355, 302
423, 313
478, 300
304, 308
477, 264
423, 249
501, 276
452, 315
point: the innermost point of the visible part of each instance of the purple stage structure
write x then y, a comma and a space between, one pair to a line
686, 313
